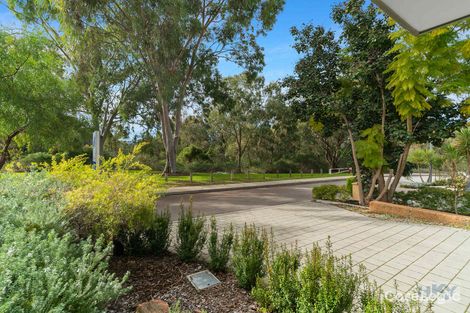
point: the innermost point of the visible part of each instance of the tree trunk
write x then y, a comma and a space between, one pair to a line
169, 137
4, 154
402, 162
356, 163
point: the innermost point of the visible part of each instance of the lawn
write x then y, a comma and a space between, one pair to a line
227, 178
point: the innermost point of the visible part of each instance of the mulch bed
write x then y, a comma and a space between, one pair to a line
165, 278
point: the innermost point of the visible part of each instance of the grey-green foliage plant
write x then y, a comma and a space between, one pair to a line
45, 268
45, 272
249, 250
191, 235
219, 250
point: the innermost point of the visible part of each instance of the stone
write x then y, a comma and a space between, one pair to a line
153, 306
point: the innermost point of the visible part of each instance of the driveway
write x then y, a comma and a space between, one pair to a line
400, 254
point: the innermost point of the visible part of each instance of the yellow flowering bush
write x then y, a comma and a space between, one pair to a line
117, 196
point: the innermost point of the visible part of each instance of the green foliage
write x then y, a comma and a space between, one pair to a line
192, 153
419, 61
30, 162
191, 235
249, 250
44, 267
349, 184
45, 272
153, 238
330, 192
324, 283
434, 198
110, 200
219, 250
370, 147
37, 99
281, 292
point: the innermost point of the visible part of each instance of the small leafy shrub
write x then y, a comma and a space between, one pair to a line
434, 198
330, 192
30, 162
159, 233
191, 235
349, 184
324, 283
249, 251
281, 291
219, 250
151, 239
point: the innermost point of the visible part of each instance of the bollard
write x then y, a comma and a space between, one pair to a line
321, 171
264, 175
248, 173
231, 175
290, 173
277, 172
191, 177
311, 171
212, 178
301, 174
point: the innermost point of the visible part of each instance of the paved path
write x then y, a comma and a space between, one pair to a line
392, 251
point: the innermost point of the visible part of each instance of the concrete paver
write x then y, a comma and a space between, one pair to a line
396, 254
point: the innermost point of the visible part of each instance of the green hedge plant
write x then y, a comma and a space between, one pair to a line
330, 192
191, 235
249, 251
324, 283
219, 249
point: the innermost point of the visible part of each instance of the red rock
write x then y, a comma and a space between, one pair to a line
153, 306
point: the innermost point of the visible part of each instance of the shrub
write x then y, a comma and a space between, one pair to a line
249, 250
44, 267
159, 233
153, 238
434, 198
349, 184
32, 201
30, 162
325, 283
281, 291
44, 272
110, 200
219, 250
329, 192
191, 235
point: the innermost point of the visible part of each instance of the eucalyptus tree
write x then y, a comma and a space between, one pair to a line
105, 74
238, 117
37, 98
178, 42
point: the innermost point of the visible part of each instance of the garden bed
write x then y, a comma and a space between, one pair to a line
165, 278
429, 215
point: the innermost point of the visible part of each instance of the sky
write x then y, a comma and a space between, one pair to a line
280, 57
